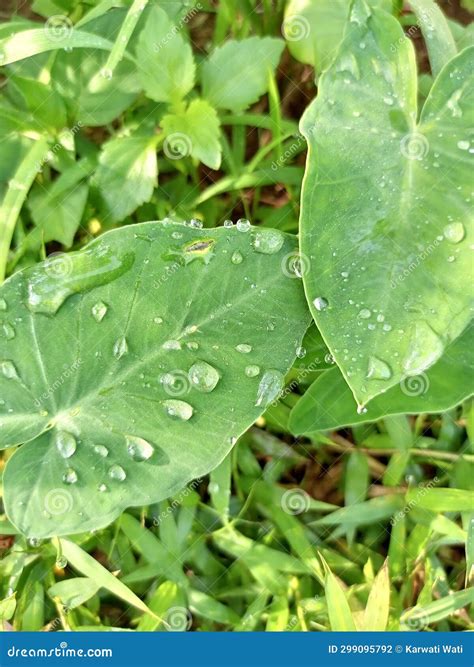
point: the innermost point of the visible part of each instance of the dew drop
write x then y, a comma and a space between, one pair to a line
117, 472
300, 352
171, 345
158, 320
320, 303
243, 225
237, 257
464, 145
243, 348
61, 562
454, 232
8, 331
60, 276
120, 347
364, 314
101, 450
8, 370
66, 443
99, 311
268, 241
106, 73
203, 376
361, 409
228, 224
102, 488
252, 371
138, 448
270, 386
178, 409
378, 369
70, 476
194, 222
3, 304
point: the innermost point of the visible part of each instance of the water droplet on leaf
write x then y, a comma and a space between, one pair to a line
378, 369
178, 409
270, 386
203, 376
454, 232
70, 476
320, 303
66, 443
99, 311
243, 348
120, 347
117, 472
138, 448
268, 241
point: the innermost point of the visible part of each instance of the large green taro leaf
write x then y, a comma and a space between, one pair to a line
329, 404
386, 206
132, 366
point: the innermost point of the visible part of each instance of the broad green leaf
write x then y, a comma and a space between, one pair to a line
29, 43
74, 592
165, 59
236, 74
396, 193
378, 604
92, 96
194, 131
127, 174
126, 368
92, 569
436, 33
329, 403
313, 29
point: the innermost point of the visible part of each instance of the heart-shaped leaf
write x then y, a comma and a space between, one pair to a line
386, 206
329, 404
132, 366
